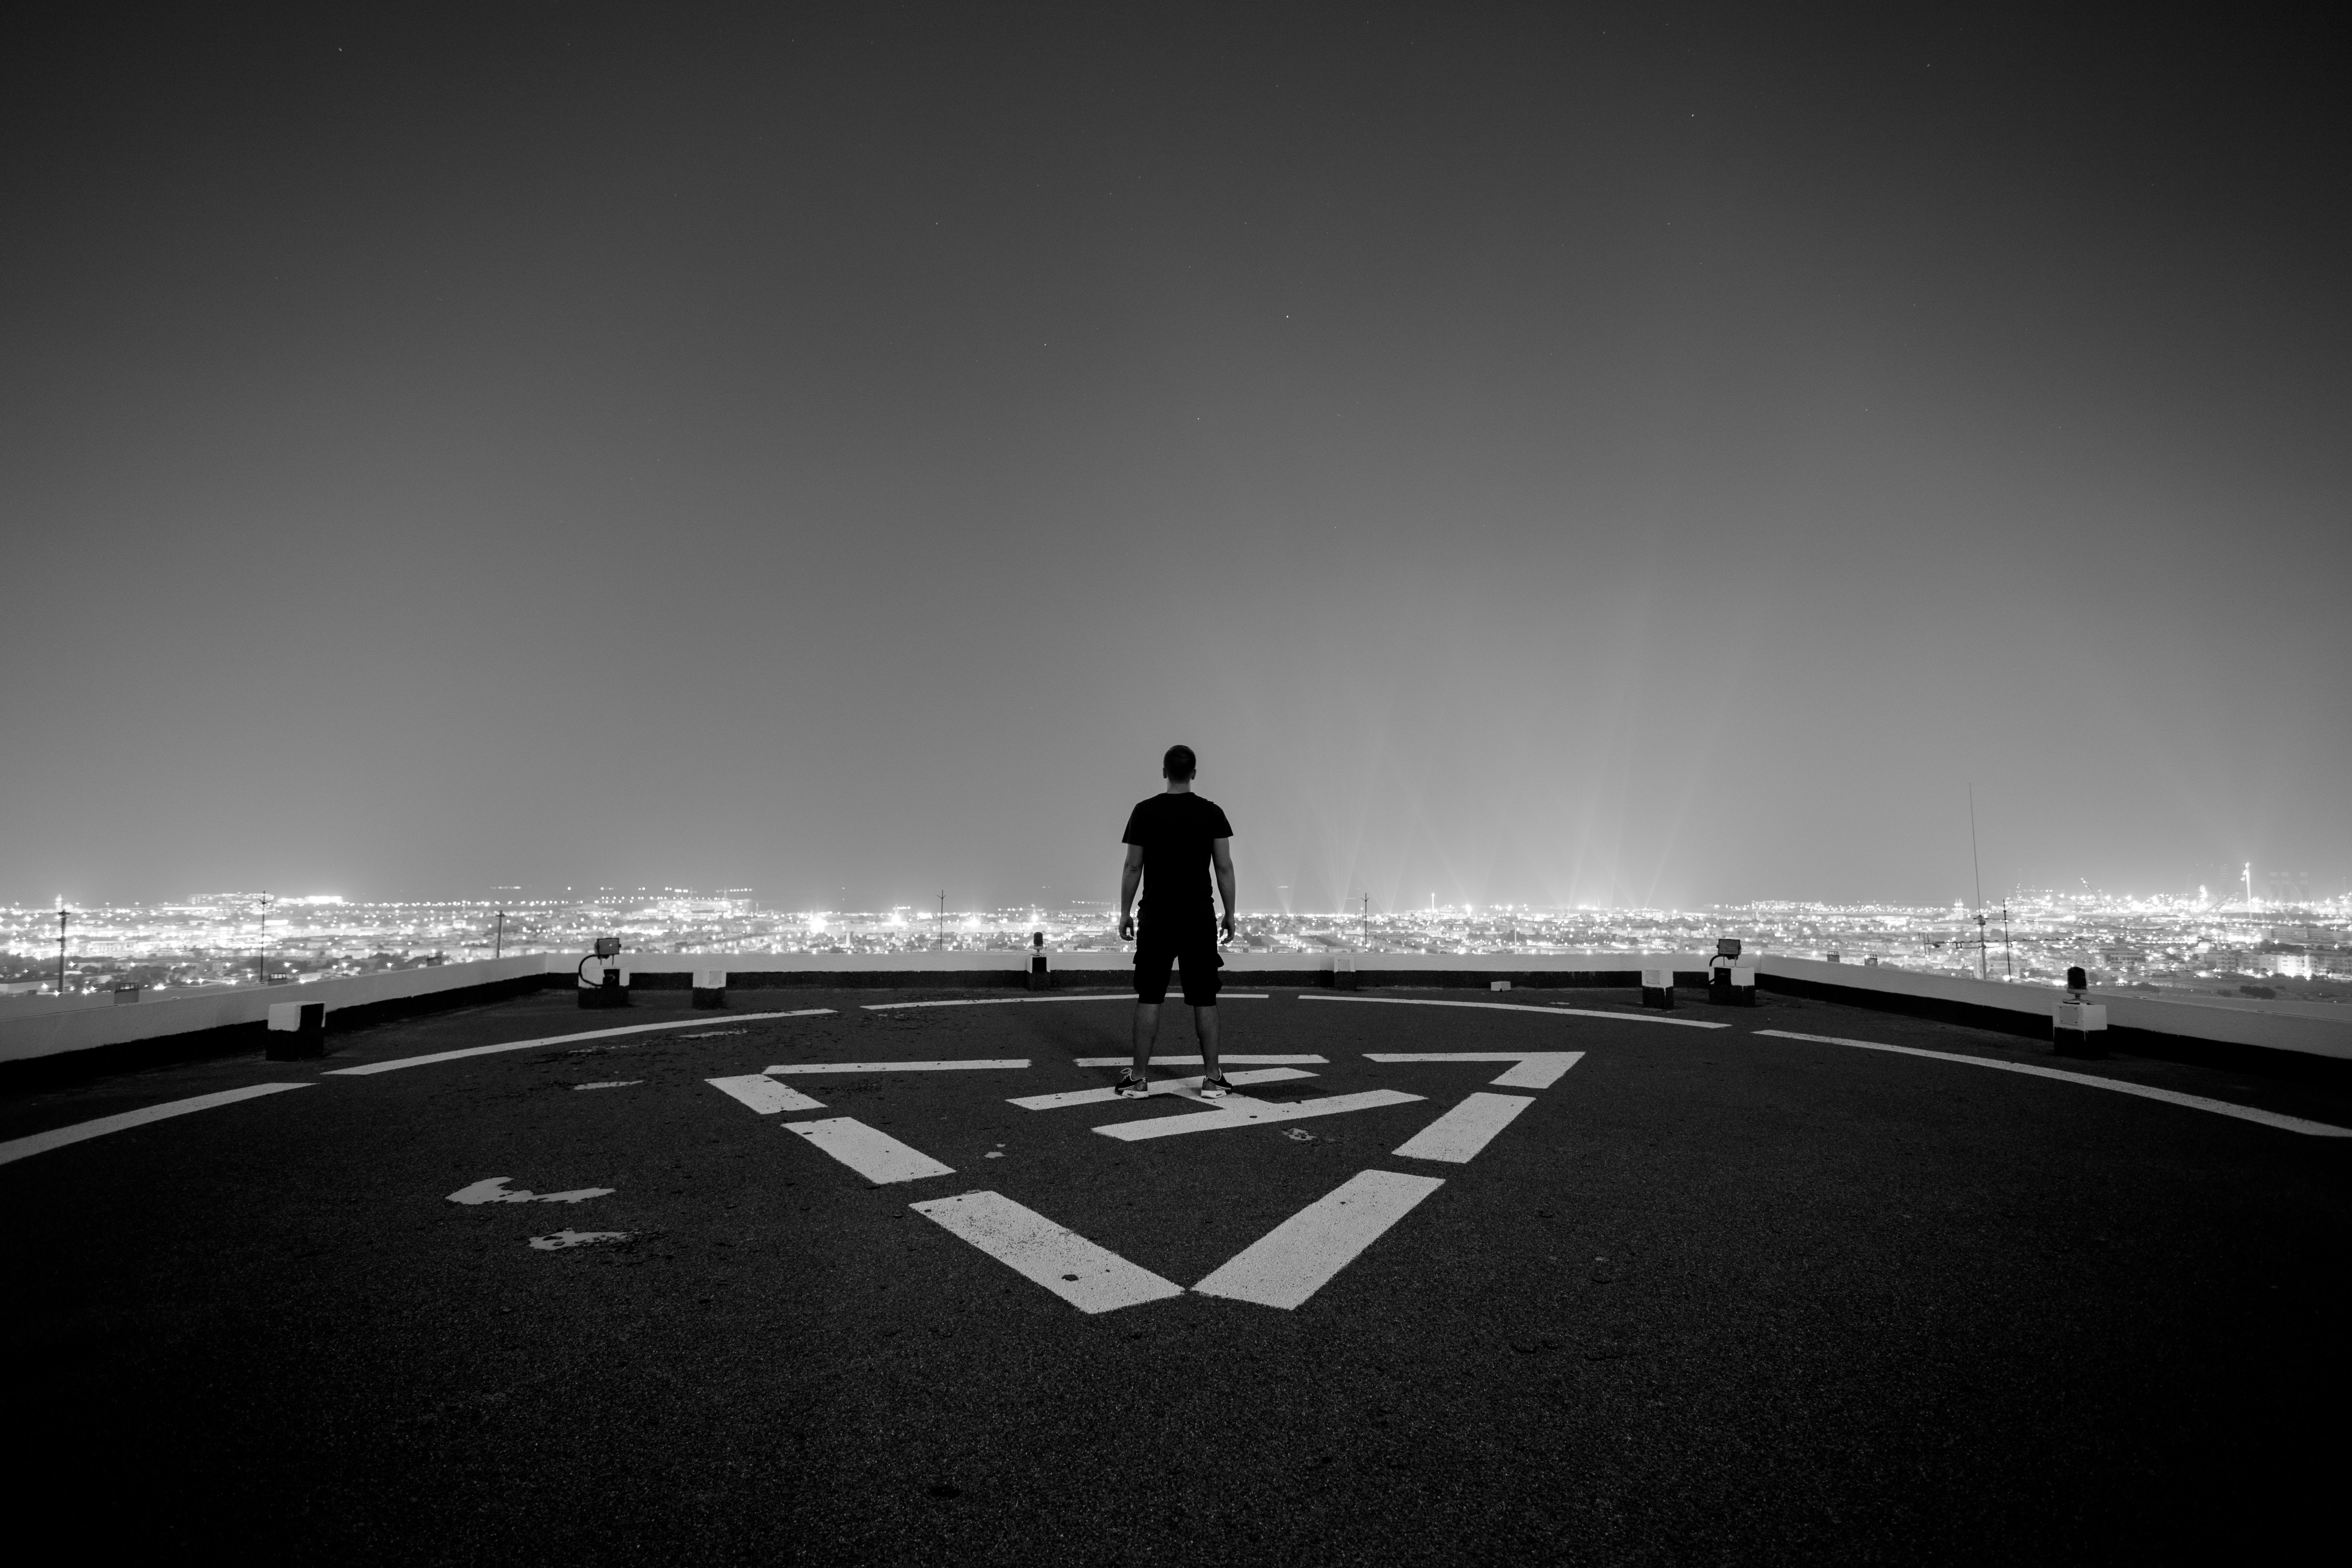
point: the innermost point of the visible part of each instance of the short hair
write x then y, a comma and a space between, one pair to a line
1179, 763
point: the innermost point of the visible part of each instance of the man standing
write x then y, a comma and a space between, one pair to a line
1172, 839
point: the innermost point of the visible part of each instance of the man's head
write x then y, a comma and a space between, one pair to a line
1178, 764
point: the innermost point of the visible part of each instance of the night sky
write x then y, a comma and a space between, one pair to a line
1641, 457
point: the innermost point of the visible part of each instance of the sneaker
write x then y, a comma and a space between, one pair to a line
1130, 1087
1215, 1088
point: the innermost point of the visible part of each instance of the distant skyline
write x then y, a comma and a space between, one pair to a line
1545, 458
681, 903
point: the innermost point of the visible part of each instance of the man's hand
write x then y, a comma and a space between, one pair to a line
1229, 925
1130, 878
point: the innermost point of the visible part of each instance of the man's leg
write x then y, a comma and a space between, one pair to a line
1201, 967
1151, 971
1147, 1034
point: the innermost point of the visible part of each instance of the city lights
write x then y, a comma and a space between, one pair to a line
222, 940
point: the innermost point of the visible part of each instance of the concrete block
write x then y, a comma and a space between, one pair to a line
1657, 988
297, 1031
1343, 972
602, 985
711, 988
1498, 986
2080, 1029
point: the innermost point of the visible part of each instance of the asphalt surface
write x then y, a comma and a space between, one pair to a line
1712, 1297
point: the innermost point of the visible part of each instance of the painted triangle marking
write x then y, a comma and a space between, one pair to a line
1179, 1087
1224, 1059
1241, 1113
1536, 1070
1628, 1018
764, 1094
1299, 1257
1458, 1135
869, 1151
843, 1069
1090, 1278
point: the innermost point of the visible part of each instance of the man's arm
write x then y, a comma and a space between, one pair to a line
1129, 877
1220, 850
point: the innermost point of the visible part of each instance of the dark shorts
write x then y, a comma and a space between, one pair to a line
1192, 953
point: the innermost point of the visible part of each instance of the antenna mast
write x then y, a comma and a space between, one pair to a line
1976, 867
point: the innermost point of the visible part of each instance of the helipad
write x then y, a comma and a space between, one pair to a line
1556, 1278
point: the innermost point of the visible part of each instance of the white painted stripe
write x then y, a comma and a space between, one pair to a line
998, 1064
59, 1137
1183, 1088
1239, 1112
1299, 1255
1224, 1059
1627, 1018
2193, 1101
1089, 1277
1540, 1072
996, 1001
1536, 1070
1007, 1001
400, 1062
1462, 1131
872, 1153
764, 1094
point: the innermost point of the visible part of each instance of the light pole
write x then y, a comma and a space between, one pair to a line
61, 950
940, 941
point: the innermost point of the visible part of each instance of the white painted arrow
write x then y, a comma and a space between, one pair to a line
569, 1237
1536, 1070
494, 1190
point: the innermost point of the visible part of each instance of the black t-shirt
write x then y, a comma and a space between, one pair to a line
1176, 831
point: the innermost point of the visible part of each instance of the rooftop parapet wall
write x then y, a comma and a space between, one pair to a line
2136, 1021
58, 1031
2156, 1025
670, 971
